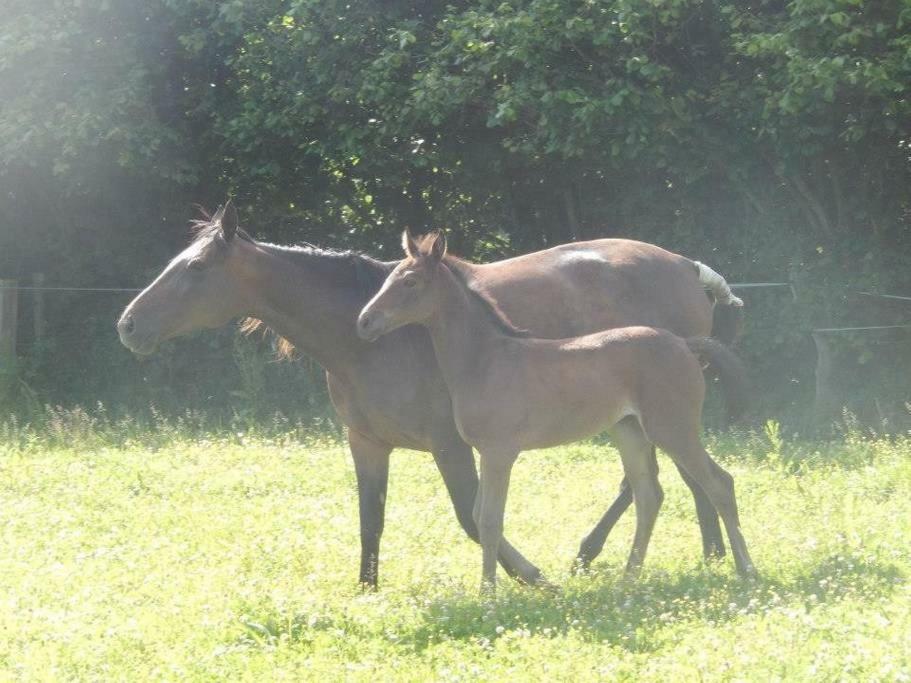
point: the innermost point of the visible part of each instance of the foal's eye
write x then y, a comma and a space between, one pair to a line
195, 264
409, 281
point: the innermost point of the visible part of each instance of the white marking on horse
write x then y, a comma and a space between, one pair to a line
580, 256
717, 284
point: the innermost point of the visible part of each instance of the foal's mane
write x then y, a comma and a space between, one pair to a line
489, 305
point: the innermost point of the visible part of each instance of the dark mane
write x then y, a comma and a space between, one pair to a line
488, 303
369, 273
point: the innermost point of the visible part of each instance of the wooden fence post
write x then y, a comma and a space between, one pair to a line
38, 306
827, 401
8, 315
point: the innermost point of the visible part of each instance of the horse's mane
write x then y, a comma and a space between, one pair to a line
495, 314
369, 274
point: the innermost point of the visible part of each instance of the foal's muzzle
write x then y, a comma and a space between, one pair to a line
370, 325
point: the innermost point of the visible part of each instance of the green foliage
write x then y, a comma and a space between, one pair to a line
76, 80
236, 558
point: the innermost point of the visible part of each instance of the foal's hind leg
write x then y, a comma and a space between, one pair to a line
719, 487
709, 525
641, 470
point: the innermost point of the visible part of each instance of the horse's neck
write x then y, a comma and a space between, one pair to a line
311, 300
464, 337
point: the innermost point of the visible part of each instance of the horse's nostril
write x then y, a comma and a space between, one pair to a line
129, 324
365, 321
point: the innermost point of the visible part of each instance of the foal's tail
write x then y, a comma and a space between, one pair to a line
723, 364
727, 316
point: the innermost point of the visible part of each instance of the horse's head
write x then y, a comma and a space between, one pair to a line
408, 294
199, 288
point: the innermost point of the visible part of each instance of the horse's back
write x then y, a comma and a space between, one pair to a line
579, 288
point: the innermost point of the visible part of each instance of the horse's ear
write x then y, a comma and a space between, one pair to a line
229, 221
408, 244
438, 245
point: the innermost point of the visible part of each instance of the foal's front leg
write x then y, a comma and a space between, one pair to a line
490, 509
455, 461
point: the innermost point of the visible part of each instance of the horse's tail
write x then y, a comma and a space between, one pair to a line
722, 363
727, 316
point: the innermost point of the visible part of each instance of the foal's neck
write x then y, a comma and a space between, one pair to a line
464, 334
312, 298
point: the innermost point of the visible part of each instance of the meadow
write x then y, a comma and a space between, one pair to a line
194, 557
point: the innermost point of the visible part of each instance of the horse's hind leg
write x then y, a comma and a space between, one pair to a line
712, 542
641, 470
593, 544
718, 485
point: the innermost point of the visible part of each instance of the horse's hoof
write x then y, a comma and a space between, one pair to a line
581, 566
543, 584
750, 575
714, 555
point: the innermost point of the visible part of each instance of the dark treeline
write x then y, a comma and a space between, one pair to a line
769, 139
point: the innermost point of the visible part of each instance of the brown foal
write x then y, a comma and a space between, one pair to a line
511, 392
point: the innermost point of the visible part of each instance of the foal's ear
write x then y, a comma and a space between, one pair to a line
408, 244
438, 245
229, 221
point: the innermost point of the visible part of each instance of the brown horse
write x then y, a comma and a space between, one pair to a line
390, 394
511, 392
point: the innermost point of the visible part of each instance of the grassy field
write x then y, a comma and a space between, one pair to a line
237, 559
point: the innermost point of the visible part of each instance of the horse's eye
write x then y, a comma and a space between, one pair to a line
195, 264
409, 281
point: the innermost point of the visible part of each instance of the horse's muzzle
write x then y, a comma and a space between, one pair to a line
126, 330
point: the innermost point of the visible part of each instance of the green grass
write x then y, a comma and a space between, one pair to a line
238, 560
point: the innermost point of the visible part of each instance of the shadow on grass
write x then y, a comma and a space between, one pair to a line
597, 607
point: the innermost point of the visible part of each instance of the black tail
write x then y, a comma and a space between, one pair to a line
728, 368
727, 322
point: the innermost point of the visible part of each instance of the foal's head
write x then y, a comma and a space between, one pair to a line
198, 289
408, 295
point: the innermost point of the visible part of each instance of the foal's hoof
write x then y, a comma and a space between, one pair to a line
487, 591
630, 576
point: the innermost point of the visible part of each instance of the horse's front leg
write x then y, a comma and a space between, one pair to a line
371, 465
496, 466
